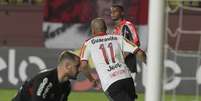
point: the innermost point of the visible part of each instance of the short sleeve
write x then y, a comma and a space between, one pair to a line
85, 52
127, 46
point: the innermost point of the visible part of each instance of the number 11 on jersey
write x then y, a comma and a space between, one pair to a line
105, 53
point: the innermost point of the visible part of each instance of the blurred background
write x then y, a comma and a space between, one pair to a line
33, 32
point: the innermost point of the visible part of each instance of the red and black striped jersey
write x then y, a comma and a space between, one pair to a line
128, 30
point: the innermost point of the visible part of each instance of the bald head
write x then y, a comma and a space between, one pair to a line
98, 25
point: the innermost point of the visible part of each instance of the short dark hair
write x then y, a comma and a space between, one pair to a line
118, 6
67, 55
99, 25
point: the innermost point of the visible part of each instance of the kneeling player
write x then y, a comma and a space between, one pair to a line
51, 85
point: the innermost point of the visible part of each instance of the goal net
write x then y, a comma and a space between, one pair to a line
183, 49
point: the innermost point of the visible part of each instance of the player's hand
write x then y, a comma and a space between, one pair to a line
95, 83
141, 56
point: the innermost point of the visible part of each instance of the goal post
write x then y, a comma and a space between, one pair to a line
155, 55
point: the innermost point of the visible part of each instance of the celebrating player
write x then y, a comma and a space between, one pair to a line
106, 52
51, 85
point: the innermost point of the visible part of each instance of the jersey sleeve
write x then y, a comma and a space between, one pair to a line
130, 33
22, 93
127, 46
85, 53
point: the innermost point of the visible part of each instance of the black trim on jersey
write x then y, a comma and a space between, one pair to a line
130, 60
127, 33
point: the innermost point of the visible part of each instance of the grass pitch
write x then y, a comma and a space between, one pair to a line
7, 94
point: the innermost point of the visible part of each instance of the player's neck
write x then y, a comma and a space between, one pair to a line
117, 22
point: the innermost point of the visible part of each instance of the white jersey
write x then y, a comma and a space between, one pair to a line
106, 52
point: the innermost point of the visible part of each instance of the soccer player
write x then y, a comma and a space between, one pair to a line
106, 52
126, 29
53, 84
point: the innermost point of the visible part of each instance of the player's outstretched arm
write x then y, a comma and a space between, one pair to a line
84, 67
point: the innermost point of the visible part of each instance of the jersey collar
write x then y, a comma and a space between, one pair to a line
121, 22
100, 33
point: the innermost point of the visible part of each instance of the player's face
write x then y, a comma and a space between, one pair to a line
73, 69
116, 13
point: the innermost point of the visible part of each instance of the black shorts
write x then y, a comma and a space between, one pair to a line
121, 90
130, 61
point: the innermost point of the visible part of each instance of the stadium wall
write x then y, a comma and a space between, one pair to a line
19, 64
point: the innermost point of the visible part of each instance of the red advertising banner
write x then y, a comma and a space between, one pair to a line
66, 22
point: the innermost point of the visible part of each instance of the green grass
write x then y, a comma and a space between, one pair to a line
7, 94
